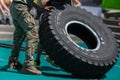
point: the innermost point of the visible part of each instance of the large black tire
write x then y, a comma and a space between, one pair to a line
55, 32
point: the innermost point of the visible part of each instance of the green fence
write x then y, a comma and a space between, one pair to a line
111, 4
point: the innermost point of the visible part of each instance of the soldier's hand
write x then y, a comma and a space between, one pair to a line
48, 7
77, 3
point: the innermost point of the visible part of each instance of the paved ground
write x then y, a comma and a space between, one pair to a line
49, 72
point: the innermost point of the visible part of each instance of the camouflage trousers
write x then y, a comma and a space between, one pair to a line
24, 28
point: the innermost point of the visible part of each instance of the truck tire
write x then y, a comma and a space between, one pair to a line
62, 31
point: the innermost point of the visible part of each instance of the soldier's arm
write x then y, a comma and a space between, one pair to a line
42, 4
38, 5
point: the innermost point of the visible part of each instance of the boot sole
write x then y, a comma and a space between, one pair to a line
29, 72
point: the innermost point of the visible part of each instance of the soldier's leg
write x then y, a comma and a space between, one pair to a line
38, 55
19, 36
32, 38
28, 24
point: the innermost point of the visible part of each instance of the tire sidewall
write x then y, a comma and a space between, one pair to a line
61, 18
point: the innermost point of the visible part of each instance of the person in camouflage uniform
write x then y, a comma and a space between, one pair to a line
24, 28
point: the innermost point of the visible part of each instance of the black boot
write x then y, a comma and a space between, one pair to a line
14, 63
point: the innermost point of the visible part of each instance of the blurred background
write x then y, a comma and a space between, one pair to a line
106, 9
5, 17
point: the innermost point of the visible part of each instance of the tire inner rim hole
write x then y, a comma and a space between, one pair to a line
82, 35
